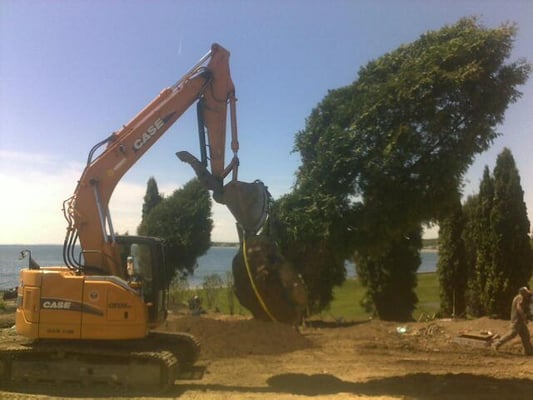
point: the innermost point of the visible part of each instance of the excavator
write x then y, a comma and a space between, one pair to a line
94, 320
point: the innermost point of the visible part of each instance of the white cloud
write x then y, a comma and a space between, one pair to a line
32, 199
17, 156
34, 187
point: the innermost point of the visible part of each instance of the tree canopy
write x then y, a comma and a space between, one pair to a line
388, 153
408, 129
183, 220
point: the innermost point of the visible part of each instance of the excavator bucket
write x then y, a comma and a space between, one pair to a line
248, 202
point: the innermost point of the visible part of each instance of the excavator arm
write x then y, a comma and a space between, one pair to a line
209, 83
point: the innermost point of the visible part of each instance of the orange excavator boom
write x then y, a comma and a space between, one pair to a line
208, 82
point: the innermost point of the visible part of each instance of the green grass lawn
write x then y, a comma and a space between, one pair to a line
346, 304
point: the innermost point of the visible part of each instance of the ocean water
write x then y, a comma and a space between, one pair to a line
217, 260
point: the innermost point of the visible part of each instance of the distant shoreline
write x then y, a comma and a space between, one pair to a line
428, 244
214, 244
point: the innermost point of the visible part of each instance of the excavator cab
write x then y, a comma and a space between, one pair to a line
147, 272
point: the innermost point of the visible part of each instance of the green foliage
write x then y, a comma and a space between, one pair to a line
184, 221
230, 293
151, 199
511, 224
512, 259
386, 154
405, 132
390, 277
452, 267
470, 240
306, 229
499, 230
178, 290
211, 285
484, 243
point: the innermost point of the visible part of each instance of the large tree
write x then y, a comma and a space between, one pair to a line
388, 152
184, 221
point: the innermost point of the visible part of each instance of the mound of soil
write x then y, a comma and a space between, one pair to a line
224, 336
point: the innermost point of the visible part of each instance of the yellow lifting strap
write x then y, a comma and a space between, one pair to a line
257, 294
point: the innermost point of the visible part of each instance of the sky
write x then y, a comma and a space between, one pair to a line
73, 72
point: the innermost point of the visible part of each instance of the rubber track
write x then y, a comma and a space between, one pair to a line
184, 346
103, 353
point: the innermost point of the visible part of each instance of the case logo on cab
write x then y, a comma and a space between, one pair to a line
56, 305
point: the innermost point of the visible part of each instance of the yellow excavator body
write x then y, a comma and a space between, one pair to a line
55, 303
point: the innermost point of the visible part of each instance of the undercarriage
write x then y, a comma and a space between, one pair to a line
150, 364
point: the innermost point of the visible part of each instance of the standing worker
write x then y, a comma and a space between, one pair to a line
519, 318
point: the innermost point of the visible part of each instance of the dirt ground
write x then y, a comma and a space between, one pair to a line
249, 359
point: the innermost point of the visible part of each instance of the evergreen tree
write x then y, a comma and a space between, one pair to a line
184, 221
452, 266
151, 199
470, 240
512, 259
390, 277
484, 238
497, 232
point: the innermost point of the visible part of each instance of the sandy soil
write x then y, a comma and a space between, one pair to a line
248, 359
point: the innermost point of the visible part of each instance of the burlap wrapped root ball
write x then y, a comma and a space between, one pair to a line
267, 284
